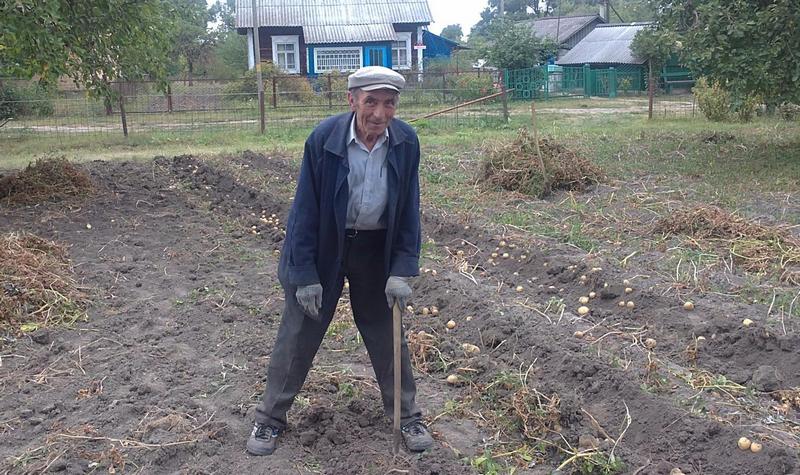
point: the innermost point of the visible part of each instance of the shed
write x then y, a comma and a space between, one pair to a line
318, 36
567, 31
606, 45
437, 47
606, 53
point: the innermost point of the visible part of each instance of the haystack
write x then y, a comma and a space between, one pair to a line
45, 179
517, 166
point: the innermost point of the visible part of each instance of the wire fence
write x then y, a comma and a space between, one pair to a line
435, 97
148, 107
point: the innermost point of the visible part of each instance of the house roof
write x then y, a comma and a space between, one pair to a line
338, 13
607, 44
564, 26
321, 34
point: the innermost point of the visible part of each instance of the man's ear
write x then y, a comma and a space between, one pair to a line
351, 99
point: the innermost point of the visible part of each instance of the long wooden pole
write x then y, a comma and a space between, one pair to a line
474, 101
397, 342
257, 45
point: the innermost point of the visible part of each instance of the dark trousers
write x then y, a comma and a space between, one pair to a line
299, 336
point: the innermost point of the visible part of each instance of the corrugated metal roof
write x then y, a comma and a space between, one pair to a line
564, 26
316, 34
610, 44
332, 12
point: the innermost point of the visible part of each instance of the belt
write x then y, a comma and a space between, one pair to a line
367, 233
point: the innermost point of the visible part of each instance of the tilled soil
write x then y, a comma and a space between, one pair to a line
163, 377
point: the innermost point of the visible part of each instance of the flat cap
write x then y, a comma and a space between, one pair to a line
371, 78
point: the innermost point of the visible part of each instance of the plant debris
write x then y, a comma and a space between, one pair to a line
757, 247
37, 287
516, 166
44, 180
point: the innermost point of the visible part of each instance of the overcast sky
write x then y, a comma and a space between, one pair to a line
448, 12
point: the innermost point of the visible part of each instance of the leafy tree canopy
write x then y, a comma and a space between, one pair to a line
751, 47
92, 42
192, 40
514, 46
452, 32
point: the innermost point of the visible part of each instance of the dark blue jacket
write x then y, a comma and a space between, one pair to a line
312, 251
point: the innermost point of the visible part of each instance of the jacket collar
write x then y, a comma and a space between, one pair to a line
337, 140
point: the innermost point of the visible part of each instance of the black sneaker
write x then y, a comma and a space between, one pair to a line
416, 436
262, 440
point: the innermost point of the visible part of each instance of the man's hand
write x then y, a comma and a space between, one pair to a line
310, 298
397, 289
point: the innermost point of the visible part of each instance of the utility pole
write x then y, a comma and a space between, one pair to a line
257, 46
502, 9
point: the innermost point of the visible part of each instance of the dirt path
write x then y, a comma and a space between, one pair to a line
164, 376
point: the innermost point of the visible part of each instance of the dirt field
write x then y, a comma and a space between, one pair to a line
165, 374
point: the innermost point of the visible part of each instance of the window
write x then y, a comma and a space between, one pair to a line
286, 53
337, 59
401, 51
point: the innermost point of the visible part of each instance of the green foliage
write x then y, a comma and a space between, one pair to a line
514, 46
192, 42
228, 59
712, 99
468, 86
750, 47
25, 100
654, 45
745, 107
623, 11
789, 111
452, 32
92, 42
287, 87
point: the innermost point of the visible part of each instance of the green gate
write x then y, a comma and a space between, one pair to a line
544, 82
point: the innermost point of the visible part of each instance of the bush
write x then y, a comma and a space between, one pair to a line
713, 100
467, 86
25, 99
292, 87
746, 108
789, 111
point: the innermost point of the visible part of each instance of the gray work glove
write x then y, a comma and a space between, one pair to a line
397, 289
310, 298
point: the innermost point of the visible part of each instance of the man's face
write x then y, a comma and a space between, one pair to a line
374, 110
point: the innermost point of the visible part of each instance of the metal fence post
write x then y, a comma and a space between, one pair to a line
444, 87
612, 82
274, 94
587, 81
122, 114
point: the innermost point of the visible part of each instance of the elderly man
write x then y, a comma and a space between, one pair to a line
355, 215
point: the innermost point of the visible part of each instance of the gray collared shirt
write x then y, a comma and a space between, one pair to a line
367, 182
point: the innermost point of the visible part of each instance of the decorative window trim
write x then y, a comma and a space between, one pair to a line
318, 50
403, 36
287, 39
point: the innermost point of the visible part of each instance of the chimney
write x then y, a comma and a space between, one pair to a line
604, 10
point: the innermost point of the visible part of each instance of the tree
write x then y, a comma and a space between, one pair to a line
514, 46
453, 33
93, 42
192, 42
621, 10
750, 47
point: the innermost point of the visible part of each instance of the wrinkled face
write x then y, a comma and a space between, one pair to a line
374, 109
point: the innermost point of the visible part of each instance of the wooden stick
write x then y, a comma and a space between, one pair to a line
485, 98
546, 183
396, 339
